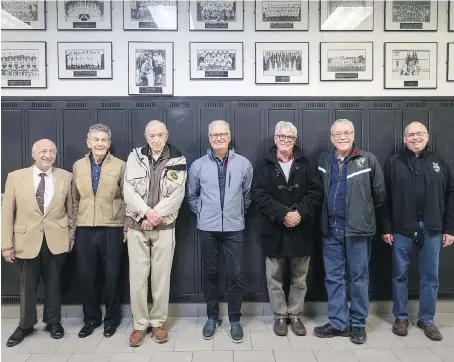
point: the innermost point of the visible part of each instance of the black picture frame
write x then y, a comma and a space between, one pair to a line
215, 29
413, 27
450, 62
151, 29
304, 3
85, 77
34, 29
385, 68
43, 65
345, 30
84, 28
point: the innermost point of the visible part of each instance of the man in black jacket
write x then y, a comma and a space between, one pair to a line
288, 192
354, 192
421, 198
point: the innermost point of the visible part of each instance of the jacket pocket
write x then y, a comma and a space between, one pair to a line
63, 223
20, 229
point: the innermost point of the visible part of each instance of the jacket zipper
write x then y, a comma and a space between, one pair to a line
335, 195
230, 177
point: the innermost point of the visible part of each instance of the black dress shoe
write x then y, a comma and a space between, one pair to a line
109, 331
88, 328
56, 330
18, 336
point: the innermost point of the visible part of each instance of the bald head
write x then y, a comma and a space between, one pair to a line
416, 137
44, 152
418, 125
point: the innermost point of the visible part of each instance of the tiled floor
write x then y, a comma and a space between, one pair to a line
260, 344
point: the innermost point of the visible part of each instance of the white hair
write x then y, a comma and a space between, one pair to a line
284, 124
415, 122
154, 123
44, 139
99, 128
343, 121
213, 123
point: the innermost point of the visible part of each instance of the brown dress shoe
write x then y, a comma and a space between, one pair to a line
400, 327
160, 335
297, 326
280, 326
430, 330
136, 338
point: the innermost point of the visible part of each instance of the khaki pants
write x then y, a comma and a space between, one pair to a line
150, 251
275, 271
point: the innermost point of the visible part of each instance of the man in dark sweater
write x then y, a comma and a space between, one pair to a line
421, 199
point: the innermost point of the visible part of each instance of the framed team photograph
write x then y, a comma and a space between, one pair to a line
87, 60
451, 15
281, 63
347, 61
282, 15
84, 15
150, 15
210, 61
450, 63
150, 68
346, 15
411, 15
23, 15
24, 64
216, 15
410, 65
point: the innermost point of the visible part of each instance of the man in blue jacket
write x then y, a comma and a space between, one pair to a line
219, 187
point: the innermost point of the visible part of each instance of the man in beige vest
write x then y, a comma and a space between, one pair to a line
154, 189
37, 233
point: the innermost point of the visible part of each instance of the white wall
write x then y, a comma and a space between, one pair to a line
118, 86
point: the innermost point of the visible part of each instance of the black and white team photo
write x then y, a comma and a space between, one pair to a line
84, 10
150, 67
26, 11
411, 11
338, 62
20, 64
87, 59
279, 11
140, 10
216, 60
334, 4
414, 64
216, 11
282, 62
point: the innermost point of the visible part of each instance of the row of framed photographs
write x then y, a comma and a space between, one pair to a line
215, 15
150, 64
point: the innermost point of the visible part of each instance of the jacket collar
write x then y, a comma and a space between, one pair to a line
354, 152
231, 153
173, 152
107, 157
297, 154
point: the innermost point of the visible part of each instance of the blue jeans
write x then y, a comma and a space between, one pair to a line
429, 244
340, 253
232, 243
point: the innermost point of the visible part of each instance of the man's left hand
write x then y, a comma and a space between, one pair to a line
71, 245
447, 240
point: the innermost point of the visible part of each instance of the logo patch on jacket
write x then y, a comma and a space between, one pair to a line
360, 162
436, 167
174, 175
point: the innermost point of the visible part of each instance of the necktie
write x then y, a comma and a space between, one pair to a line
40, 192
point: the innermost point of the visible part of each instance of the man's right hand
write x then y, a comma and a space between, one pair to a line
153, 217
9, 255
146, 225
292, 219
388, 239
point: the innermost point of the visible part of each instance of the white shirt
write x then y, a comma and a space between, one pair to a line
48, 184
286, 166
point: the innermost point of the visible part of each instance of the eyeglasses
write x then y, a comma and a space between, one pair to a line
338, 135
283, 137
219, 135
415, 134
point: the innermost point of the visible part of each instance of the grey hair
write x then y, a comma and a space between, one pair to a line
99, 128
210, 126
284, 124
343, 121
154, 123
406, 128
44, 139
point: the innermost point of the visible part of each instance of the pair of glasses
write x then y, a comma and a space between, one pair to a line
219, 135
338, 135
283, 137
416, 134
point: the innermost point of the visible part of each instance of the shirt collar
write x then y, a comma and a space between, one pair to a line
37, 171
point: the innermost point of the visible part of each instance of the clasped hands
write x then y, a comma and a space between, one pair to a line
152, 219
292, 219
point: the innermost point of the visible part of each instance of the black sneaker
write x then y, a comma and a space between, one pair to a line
358, 335
210, 328
328, 331
236, 332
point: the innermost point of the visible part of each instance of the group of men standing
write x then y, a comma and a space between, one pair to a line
107, 203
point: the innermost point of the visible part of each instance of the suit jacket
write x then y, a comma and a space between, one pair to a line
23, 223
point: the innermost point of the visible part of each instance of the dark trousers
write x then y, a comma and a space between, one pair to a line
49, 266
100, 249
232, 243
